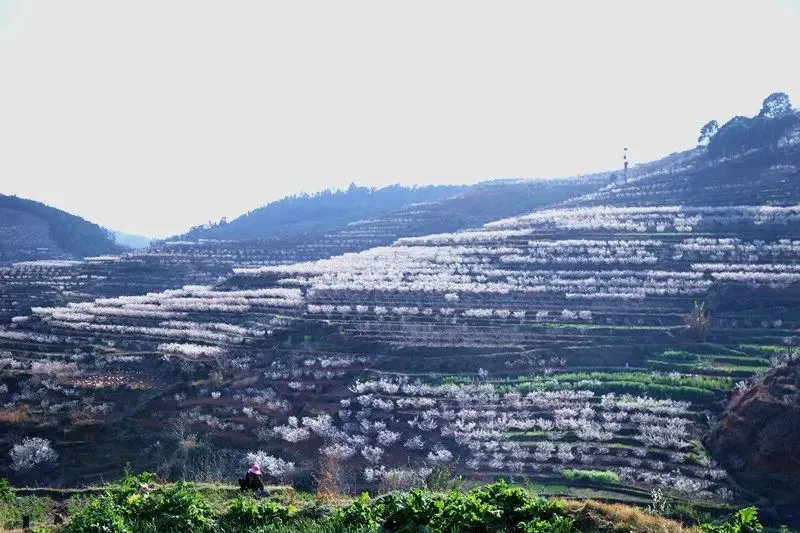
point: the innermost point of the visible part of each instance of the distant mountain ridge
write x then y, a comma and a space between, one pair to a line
131, 240
321, 212
33, 230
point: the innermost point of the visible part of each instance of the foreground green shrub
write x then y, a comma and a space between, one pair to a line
12, 509
113, 511
175, 509
515, 504
132, 507
495, 507
245, 515
361, 513
746, 521
5, 493
101, 515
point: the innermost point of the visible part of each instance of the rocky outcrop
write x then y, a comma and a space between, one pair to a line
758, 437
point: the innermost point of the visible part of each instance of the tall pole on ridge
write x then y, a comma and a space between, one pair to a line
625, 165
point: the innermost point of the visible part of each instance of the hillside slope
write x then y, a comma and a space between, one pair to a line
581, 346
318, 213
174, 264
32, 230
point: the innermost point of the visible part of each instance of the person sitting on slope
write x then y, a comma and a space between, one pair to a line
252, 481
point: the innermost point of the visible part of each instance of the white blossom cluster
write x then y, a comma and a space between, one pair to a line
32, 452
172, 306
680, 218
53, 368
273, 466
189, 349
401, 478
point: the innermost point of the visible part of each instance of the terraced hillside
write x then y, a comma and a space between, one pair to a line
174, 264
584, 346
691, 179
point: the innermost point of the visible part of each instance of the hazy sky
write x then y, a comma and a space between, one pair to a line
154, 115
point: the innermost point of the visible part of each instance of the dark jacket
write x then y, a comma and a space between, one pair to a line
251, 481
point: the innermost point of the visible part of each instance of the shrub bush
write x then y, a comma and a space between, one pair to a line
361, 513
600, 476
495, 507
31, 452
132, 506
5, 493
12, 509
745, 521
244, 515
178, 508
441, 479
101, 515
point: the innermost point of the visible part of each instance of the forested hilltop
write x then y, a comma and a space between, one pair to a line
33, 230
316, 213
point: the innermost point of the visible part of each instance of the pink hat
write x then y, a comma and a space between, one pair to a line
255, 469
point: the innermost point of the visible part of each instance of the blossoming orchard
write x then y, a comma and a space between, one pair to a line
600, 330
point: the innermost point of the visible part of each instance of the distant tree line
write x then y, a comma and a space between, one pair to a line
763, 131
320, 212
